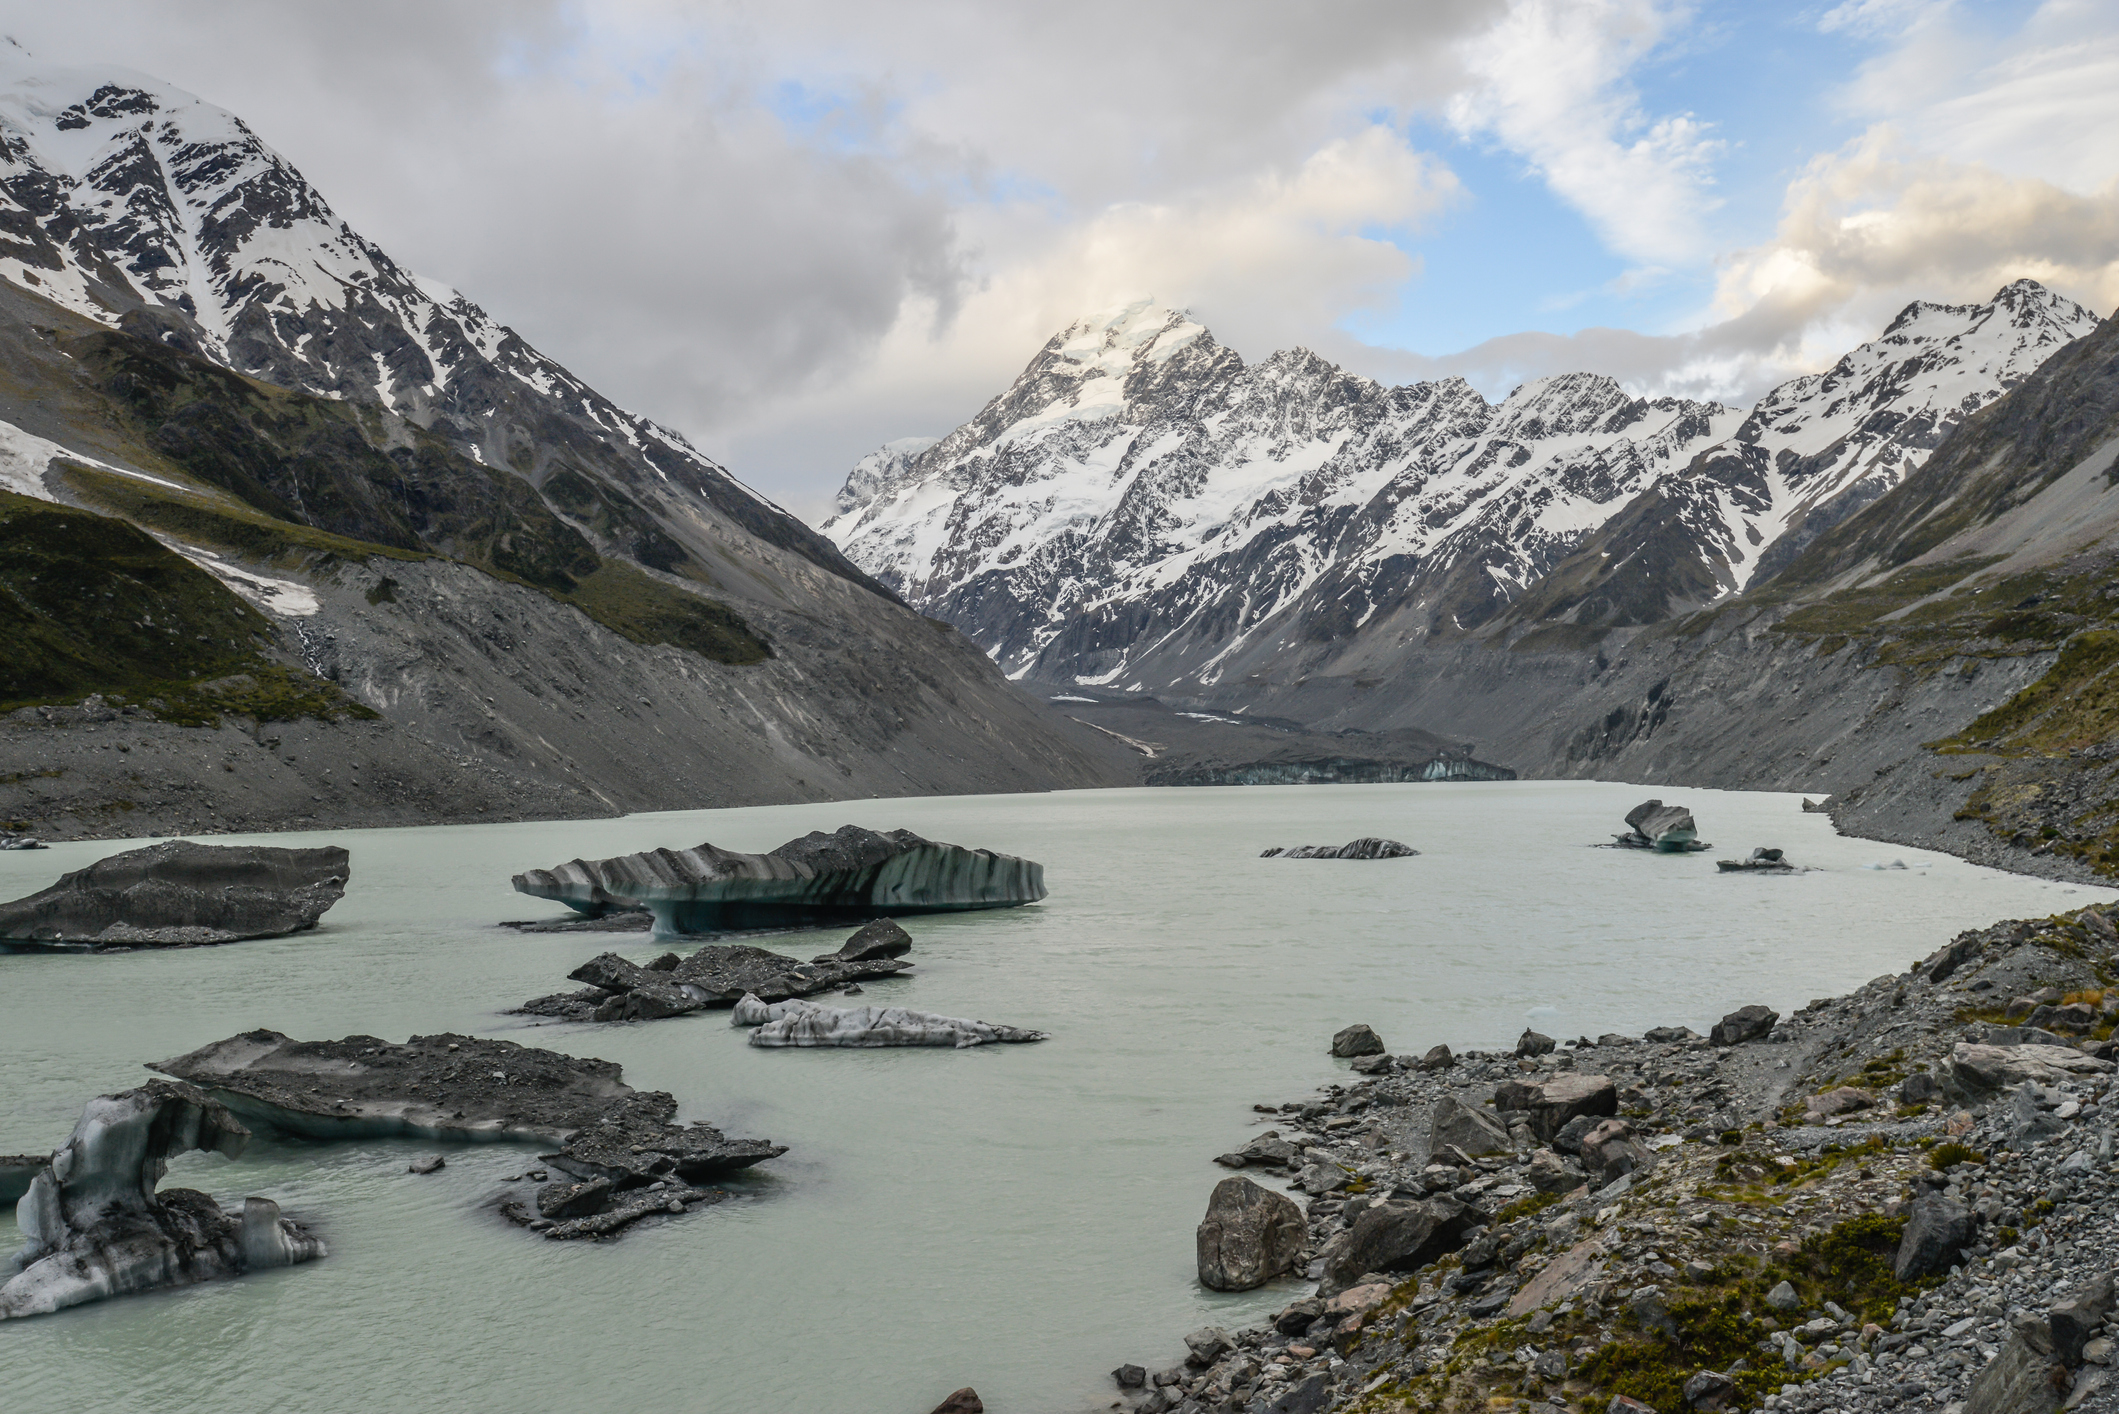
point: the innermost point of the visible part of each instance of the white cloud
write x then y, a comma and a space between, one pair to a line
1553, 86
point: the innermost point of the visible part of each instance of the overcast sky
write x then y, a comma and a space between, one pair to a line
799, 229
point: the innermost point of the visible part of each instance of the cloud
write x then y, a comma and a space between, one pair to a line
1552, 85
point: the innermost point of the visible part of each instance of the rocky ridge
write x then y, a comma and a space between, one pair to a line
1902, 1198
1141, 509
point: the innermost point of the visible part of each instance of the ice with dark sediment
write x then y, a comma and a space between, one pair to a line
179, 893
849, 875
1667, 829
798, 1023
94, 1226
1367, 847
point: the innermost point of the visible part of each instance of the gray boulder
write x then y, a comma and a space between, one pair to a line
178, 894
2024, 1122
2024, 1378
1206, 1345
1919, 1088
2074, 1320
1533, 1043
1610, 1152
1357, 1040
1569, 1138
1708, 1391
1249, 1236
1937, 1232
1437, 1058
1744, 1024
1396, 1237
1467, 1127
1555, 1103
1549, 1173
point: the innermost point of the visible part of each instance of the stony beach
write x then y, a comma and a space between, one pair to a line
1901, 1198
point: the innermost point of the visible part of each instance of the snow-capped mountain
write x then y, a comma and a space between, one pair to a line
1141, 508
136, 204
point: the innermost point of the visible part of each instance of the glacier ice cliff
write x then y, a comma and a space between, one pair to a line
853, 873
96, 1227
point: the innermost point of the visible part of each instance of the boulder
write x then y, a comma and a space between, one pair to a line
1978, 1071
964, 1401
877, 939
805, 1024
2025, 1122
2075, 1318
1437, 1058
1559, 1280
1843, 1099
178, 894
1957, 954
1357, 1040
1744, 1024
651, 1001
574, 1200
1783, 1297
1395, 1237
1270, 1148
2024, 1378
95, 1227
1569, 1138
1937, 1232
1309, 1395
1532, 1043
1610, 1152
1919, 1088
1130, 1377
1555, 1103
1206, 1345
1664, 1035
819, 878
1708, 1391
1367, 847
1549, 1173
1467, 1127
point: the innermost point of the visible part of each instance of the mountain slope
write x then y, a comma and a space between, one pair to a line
1141, 509
434, 515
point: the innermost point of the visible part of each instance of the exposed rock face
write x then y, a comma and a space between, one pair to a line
469, 1088
1249, 1236
1359, 1039
1977, 1071
1367, 847
1746, 1023
803, 1024
872, 943
177, 893
1666, 828
853, 873
95, 1227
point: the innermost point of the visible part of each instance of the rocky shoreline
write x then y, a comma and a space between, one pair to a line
1902, 1198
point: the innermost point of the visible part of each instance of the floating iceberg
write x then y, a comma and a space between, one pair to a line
819, 878
180, 893
800, 1023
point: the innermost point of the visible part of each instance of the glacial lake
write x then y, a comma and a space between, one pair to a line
1017, 1218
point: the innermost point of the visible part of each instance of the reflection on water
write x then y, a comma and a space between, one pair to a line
1018, 1219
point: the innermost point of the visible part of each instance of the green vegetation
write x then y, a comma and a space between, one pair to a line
644, 609
1524, 1207
1945, 1156
89, 604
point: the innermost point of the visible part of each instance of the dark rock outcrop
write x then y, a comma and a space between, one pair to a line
873, 942
1937, 1232
178, 893
1553, 1104
452, 1087
1367, 847
1454, 1124
1249, 1236
819, 878
1359, 1039
1744, 1024
1396, 1237
96, 1227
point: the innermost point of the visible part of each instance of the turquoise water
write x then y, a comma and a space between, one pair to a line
1018, 1219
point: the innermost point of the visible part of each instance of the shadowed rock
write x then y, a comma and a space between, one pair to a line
872, 943
451, 1087
1249, 1236
803, 1024
1552, 1104
1744, 1024
179, 893
1367, 847
95, 1226
1396, 1237
1937, 1232
1360, 1039
854, 873
1467, 1127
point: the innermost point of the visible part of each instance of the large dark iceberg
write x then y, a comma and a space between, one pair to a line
1667, 829
178, 894
451, 1087
619, 990
96, 1227
819, 878
1367, 847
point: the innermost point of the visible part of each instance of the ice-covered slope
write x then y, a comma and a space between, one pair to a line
1143, 509
133, 202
